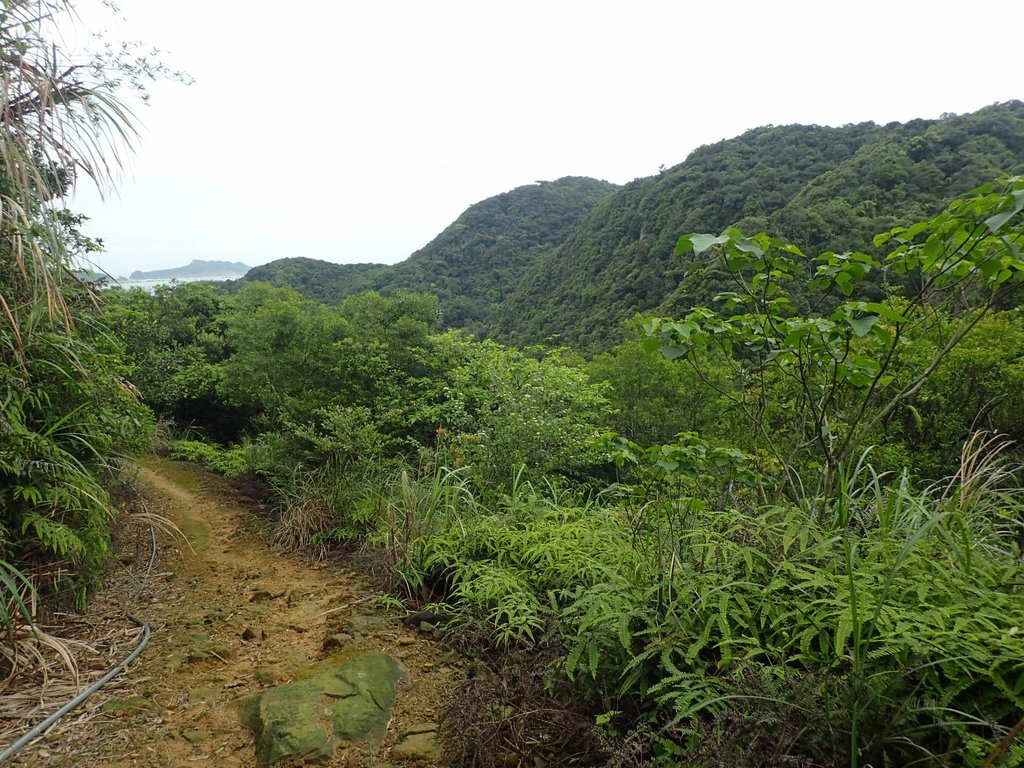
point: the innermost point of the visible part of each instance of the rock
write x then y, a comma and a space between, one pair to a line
310, 718
135, 705
423, 617
337, 641
418, 748
203, 694
365, 624
195, 738
420, 728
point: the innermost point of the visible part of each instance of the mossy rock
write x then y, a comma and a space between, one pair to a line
416, 748
310, 718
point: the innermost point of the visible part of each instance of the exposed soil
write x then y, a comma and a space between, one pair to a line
230, 617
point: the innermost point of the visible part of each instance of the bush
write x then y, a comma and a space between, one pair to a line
230, 462
892, 616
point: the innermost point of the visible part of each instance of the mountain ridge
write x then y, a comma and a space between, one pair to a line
569, 261
196, 268
822, 188
471, 265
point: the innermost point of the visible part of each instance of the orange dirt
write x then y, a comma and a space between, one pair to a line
177, 706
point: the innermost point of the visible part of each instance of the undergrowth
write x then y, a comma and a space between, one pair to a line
715, 630
887, 632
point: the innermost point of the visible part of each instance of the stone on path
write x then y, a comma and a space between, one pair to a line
312, 717
419, 744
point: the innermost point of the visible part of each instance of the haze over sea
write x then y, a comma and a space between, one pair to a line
150, 284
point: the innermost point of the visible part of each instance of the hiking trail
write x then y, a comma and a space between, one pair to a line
231, 617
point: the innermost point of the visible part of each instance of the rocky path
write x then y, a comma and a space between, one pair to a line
233, 618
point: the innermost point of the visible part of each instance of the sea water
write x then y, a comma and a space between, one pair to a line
150, 284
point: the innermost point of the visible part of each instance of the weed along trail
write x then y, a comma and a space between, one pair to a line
257, 657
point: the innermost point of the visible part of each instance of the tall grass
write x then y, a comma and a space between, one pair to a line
59, 121
885, 632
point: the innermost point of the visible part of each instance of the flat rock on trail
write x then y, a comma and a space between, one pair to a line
232, 617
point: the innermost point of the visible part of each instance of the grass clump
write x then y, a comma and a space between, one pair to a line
886, 632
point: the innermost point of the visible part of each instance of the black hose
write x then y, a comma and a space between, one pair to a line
113, 672
83, 695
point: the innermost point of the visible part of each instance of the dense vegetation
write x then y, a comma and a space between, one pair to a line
316, 279
66, 413
568, 260
774, 536
821, 188
783, 527
472, 266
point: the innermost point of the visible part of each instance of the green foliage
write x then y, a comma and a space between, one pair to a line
321, 281
652, 399
14, 589
472, 266
510, 411
174, 343
974, 387
825, 189
65, 412
513, 566
894, 612
66, 417
832, 379
229, 462
281, 350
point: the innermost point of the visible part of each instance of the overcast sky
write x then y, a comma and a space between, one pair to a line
356, 131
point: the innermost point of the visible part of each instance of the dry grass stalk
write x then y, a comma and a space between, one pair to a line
979, 469
44, 684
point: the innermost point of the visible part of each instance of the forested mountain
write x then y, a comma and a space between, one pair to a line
822, 188
316, 279
568, 260
473, 265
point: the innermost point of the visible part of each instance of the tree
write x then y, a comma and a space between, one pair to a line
828, 381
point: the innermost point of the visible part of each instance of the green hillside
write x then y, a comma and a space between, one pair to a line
316, 279
823, 188
565, 261
472, 266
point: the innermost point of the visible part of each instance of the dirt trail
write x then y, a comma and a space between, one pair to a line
231, 616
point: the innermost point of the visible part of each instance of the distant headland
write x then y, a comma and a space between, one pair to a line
197, 269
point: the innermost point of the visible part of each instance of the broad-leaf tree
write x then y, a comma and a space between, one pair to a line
818, 370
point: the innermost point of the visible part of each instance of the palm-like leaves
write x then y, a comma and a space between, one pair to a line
60, 120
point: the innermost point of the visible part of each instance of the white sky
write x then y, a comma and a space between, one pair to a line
356, 131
